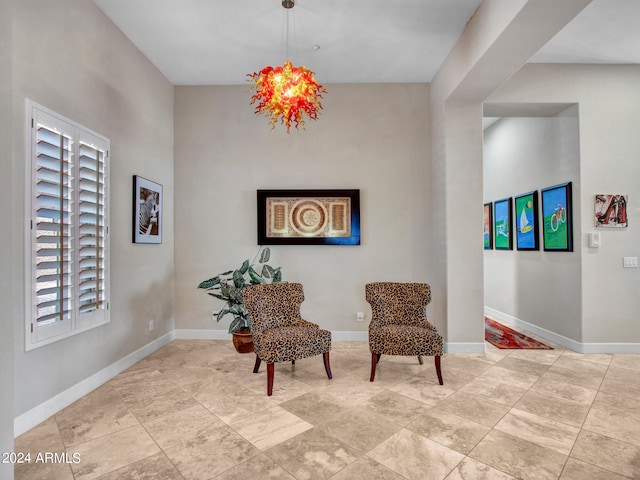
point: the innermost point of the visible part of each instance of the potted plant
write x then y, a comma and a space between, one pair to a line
228, 286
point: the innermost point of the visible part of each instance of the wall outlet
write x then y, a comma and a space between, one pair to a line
359, 316
150, 325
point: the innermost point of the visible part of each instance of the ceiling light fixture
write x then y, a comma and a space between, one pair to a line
286, 93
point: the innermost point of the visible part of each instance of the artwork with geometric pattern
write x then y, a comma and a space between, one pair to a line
308, 217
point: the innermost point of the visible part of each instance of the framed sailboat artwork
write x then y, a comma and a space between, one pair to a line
526, 216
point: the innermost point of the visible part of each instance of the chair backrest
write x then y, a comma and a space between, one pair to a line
273, 305
398, 303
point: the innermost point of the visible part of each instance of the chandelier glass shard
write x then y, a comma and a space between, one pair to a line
286, 94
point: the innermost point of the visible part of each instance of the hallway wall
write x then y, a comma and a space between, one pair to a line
538, 287
608, 99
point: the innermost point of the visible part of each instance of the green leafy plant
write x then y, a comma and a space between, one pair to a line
228, 287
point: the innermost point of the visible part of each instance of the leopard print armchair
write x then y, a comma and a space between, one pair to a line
399, 324
279, 333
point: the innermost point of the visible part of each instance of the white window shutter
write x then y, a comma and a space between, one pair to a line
68, 225
52, 227
92, 229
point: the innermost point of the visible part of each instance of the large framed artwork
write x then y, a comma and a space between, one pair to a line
502, 212
557, 218
611, 211
147, 211
488, 226
312, 217
526, 216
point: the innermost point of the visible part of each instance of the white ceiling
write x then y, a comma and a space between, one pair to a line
215, 42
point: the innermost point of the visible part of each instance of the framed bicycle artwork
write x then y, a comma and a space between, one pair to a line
488, 226
557, 232
502, 212
526, 214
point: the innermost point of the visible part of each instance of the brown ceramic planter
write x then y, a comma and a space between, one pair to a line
243, 340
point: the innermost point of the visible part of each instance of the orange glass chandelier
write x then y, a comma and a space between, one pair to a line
286, 94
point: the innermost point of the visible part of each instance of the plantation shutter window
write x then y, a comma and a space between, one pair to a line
91, 229
68, 228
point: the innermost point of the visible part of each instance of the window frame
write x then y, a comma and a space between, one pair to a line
80, 139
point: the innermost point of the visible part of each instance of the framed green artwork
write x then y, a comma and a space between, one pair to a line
557, 218
526, 216
488, 226
502, 212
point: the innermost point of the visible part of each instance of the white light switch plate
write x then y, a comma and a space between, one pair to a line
630, 262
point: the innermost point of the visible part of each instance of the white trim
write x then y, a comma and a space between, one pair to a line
204, 334
355, 336
339, 336
38, 414
201, 334
587, 348
610, 348
461, 347
26, 421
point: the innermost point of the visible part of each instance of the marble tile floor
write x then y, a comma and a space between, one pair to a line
194, 410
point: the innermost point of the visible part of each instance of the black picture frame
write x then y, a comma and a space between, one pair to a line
488, 226
557, 218
147, 211
308, 217
502, 231
526, 221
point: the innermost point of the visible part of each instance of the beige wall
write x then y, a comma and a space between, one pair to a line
371, 137
608, 100
6, 238
87, 70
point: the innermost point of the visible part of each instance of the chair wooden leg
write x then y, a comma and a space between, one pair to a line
374, 361
293, 362
270, 370
256, 367
327, 366
438, 371
420, 359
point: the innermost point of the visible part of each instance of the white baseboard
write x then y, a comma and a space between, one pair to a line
610, 348
361, 336
193, 334
40, 413
460, 347
566, 342
203, 334
338, 336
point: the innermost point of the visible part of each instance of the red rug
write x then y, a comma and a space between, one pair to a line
504, 337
